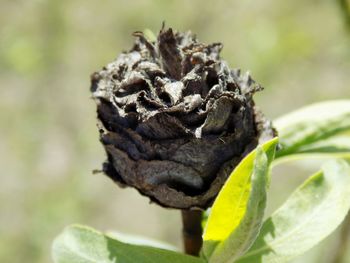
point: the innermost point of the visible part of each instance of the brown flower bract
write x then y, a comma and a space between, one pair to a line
175, 120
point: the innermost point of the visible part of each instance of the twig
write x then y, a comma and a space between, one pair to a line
192, 231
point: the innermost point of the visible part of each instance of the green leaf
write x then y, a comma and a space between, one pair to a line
311, 124
80, 244
310, 214
205, 216
335, 147
236, 216
149, 35
139, 240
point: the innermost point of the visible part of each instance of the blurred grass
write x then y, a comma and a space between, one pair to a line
298, 50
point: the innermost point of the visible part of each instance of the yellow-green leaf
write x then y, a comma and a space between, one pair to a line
237, 213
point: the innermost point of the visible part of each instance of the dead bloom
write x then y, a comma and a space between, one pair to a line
175, 120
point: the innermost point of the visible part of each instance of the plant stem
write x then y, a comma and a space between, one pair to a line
192, 231
343, 245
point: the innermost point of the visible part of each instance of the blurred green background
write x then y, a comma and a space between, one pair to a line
298, 50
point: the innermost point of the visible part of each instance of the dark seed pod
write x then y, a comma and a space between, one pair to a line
175, 120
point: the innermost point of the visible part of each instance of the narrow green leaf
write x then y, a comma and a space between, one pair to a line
312, 124
80, 244
236, 216
310, 214
150, 36
339, 146
334, 147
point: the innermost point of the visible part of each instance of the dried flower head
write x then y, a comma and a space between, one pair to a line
175, 120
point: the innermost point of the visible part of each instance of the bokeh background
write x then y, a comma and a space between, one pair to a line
298, 50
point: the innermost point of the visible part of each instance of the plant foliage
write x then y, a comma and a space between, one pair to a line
235, 230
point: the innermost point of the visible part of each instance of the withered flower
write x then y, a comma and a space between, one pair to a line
175, 120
